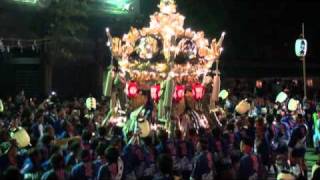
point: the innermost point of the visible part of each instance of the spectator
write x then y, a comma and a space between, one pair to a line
165, 165
57, 172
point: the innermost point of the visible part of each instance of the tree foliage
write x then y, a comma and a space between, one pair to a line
67, 27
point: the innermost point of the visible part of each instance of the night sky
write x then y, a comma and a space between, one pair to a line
256, 29
259, 33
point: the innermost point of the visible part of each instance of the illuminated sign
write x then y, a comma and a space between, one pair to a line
27, 1
118, 6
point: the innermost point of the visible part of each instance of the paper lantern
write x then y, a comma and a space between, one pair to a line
259, 84
310, 83
132, 89
22, 137
301, 47
91, 103
243, 107
155, 92
223, 94
178, 93
1, 106
198, 91
293, 104
281, 97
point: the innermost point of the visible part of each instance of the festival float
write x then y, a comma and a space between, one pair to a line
162, 76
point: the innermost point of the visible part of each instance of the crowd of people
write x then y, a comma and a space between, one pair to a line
67, 142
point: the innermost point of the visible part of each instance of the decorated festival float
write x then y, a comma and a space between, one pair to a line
163, 76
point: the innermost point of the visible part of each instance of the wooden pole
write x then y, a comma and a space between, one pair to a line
304, 70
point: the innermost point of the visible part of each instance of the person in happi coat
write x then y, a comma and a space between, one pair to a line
297, 146
57, 172
84, 169
250, 165
203, 167
165, 166
113, 168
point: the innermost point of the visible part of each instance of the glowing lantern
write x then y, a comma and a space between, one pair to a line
132, 89
243, 107
293, 105
223, 94
310, 83
91, 103
155, 92
301, 47
1, 106
198, 91
259, 84
281, 97
22, 137
178, 93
